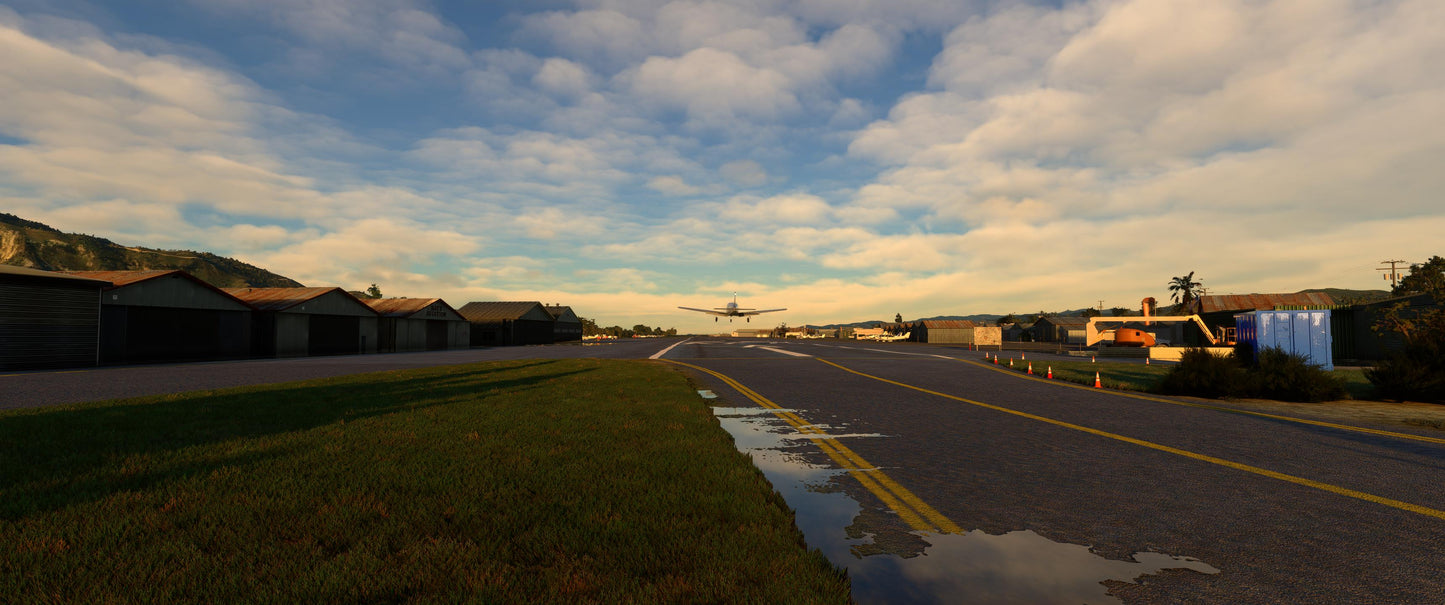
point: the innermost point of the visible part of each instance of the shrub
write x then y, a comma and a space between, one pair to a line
1203, 374
1274, 375
1418, 374
1290, 377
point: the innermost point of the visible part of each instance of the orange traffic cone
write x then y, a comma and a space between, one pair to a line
1097, 384
1031, 367
1093, 359
1023, 355
995, 360
1010, 362
1051, 372
1146, 361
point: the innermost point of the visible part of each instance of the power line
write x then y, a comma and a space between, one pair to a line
1392, 274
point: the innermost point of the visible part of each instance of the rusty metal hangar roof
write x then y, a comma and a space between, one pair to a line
121, 279
277, 299
945, 324
124, 278
29, 273
482, 312
401, 307
1213, 303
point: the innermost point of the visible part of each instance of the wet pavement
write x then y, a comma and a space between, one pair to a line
1073, 495
975, 567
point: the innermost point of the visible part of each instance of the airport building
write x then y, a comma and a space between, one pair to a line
505, 323
295, 322
168, 315
418, 324
1061, 329
567, 325
942, 331
48, 320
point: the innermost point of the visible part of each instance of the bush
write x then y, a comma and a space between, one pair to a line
1418, 374
1203, 374
1274, 375
1289, 377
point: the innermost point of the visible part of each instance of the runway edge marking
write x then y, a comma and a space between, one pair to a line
1320, 485
659, 354
1205, 406
912, 510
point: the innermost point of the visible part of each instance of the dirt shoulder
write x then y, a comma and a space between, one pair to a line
1414, 415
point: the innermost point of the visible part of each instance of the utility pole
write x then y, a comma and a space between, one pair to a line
1393, 275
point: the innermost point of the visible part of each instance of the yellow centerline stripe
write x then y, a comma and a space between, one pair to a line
912, 510
1414, 508
1345, 427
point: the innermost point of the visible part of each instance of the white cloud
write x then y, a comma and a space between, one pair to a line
375, 250
402, 32
797, 208
605, 35
672, 185
744, 172
563, 78
713, 87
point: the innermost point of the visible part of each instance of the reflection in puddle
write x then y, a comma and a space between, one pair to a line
976, 567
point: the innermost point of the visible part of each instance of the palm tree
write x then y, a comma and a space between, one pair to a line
1185, 290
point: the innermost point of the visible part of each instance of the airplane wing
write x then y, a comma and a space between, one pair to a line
763, 311
708, 311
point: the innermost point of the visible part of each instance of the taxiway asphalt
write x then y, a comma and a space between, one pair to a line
1288, 511
35, 389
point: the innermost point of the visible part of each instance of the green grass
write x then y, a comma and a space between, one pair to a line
1356, 384
1125, 376
1139, 377
535, 481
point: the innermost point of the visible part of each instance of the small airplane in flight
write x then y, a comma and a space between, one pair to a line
732, 310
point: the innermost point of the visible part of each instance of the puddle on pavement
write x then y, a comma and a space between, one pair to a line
975, 567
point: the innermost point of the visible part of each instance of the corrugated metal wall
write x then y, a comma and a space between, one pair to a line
1305, 333
45, 325
134, 334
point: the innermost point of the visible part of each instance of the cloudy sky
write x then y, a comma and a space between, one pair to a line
848, 159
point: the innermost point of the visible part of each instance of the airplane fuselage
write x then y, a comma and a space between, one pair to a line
732, 310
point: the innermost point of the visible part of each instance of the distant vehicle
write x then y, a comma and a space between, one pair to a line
732, 310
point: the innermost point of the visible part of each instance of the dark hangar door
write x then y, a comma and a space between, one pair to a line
436, 334
334, 335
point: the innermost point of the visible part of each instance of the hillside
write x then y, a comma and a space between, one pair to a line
1351, 297
31, 244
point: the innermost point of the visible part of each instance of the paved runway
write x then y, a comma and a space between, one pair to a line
1287, 511
33, 389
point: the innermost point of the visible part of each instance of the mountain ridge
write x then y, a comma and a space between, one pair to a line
27, 243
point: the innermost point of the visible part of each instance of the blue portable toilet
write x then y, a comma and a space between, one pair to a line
1305, 333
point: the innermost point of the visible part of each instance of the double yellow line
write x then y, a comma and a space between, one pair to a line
1320, 485
910, 508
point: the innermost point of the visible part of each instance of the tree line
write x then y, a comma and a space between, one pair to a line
590, 328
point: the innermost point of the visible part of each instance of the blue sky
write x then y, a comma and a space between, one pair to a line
848, 160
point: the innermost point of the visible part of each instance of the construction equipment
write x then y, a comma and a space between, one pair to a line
1132, 337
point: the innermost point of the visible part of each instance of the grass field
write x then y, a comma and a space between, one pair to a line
534, 481
1126, 376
